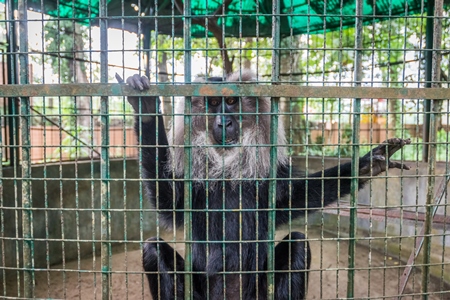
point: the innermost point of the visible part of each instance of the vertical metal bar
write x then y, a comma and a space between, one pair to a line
355, 150
432, 145
147, 44
428, 78
273, 152
27, 215
440, 193
13, 122
187, 155
104, 159
2, 217
141, 184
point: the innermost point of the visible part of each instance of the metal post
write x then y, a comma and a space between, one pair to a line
355, 150
273, 152
187, 156
27, 214
13, 122
428, 78
104, 159
432, 138
147, 44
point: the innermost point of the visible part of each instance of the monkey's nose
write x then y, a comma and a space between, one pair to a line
228, 123
222, 121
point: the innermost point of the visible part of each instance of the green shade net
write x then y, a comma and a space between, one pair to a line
243, 18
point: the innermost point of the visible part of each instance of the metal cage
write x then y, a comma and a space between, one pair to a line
342, 77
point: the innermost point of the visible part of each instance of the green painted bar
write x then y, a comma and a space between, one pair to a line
429, 202
27, 203
273, 154
2, 214
106, 251
188, 283
434, 28
352, 234
257, 90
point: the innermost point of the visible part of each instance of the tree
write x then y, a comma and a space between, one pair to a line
67, 40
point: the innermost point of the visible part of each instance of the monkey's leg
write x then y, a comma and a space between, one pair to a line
291, 255
159, 261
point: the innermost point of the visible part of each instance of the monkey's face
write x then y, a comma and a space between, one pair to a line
228, 121
224, 126
230, 136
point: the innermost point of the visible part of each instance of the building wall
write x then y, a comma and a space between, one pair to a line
70, 210
397, 232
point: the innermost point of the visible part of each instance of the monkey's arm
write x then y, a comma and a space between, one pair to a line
151, 135
320, 189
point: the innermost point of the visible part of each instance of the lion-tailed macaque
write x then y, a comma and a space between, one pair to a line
230, 195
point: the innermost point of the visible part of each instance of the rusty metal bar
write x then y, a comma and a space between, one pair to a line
169, 90
188, 279
147, 48
13, 125
273, 153
432, 145
11, 61
393, 215
428, 77
358, 74
27, 214
106, 251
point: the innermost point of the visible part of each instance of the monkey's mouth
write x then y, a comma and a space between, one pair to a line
230, 138
227, 142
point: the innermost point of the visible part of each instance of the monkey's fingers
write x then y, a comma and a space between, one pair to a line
135, 82
397, 165
138, 82
119, 79
396, 144
389, 147
145, 82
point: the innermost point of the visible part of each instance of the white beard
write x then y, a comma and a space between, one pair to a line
245, 160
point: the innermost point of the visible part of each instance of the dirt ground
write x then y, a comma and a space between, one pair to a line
328, 277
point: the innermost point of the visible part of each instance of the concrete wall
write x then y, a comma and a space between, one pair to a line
395, 236
73, 211
70, 210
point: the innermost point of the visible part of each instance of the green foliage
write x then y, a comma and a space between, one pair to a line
3, 43
66, 38
254, 52
414, 152
392, 57
392, 54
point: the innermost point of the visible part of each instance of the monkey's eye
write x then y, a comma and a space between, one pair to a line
214, 101
231, 100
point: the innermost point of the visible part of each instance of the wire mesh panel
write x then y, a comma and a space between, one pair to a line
224, 149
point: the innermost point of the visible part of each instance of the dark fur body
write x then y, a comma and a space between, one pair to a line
212, 214
230, 216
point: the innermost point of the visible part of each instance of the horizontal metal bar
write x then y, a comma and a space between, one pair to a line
181, 242
167, 90
381, 214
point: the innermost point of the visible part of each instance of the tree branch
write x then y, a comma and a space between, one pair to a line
215, 29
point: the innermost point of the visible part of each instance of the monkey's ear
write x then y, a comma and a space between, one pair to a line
119, 79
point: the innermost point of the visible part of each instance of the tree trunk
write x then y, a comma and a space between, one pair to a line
83, 103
